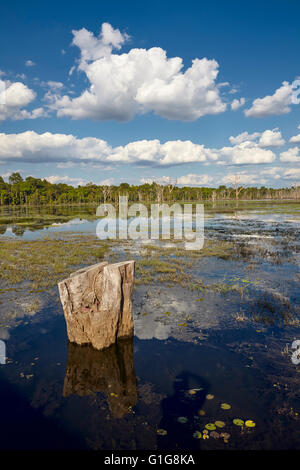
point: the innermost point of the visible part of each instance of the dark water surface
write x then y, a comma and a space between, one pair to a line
191, 353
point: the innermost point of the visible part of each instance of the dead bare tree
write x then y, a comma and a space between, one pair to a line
214, 197
234, 180
106, 190
159, 189
171, 184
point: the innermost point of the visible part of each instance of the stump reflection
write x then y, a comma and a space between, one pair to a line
110, 371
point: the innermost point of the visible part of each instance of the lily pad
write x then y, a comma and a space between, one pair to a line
182, 419
210, 426
161, 432
220, 424
209, 396
201, 412
238, 422
215, 435
225, 406
250, 424
197, 435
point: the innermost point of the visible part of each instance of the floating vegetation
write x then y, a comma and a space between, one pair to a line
201, 413
288, 411
210, 426
182, 419
225, 436
220, 424
250, 424
197, 435
240, 317
238, 422
214, 435
193, 391
161, 432
225, 406
209, 396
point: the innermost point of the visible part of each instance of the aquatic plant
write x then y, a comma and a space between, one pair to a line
238, 422
220, 424
210, 426
250, 424
225, 406
182, 419
161, 432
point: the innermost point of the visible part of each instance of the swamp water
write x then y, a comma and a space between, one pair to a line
213, 337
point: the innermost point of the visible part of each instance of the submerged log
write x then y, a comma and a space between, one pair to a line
110, 371
97, 303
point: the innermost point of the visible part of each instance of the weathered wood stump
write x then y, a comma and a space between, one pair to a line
110, 371
97, 303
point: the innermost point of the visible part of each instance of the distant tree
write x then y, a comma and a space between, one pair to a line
106, 190
234, 180
170, 186
15, 178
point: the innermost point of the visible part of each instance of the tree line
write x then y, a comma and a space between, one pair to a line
34, 192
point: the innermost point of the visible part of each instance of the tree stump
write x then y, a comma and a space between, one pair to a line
97, 303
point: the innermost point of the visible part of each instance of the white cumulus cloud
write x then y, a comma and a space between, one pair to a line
55, 179
271, 138
243, 137
14, 97
66, 149
195, 180
247, 153
125, 84
292, 174
291, 155
296, 138
268, 138
237, 103
278, 103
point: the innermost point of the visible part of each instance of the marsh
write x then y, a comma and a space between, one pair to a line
212, 327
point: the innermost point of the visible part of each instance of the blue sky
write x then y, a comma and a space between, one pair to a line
194, 91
